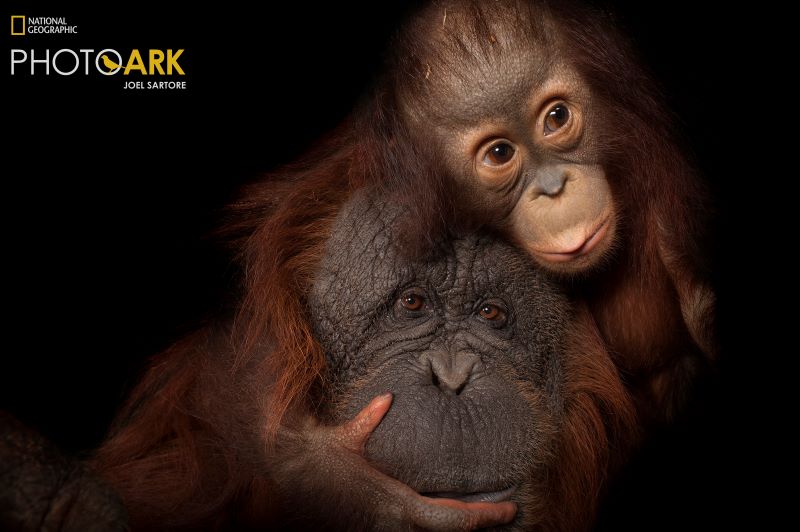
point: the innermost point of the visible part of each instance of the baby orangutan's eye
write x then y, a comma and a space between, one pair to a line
556, 118
499, 154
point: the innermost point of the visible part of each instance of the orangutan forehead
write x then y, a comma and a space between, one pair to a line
477, 64
498, 87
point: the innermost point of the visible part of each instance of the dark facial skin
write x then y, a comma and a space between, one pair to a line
466, 342
518, 129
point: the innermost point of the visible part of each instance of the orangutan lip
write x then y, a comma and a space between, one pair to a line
587, 245
481, 496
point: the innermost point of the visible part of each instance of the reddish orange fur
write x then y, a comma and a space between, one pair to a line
154, 457
173, 453
600, 429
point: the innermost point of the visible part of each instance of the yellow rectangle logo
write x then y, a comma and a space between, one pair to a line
17, 25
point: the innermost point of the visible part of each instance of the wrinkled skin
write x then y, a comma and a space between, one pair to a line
326, 481
476, 395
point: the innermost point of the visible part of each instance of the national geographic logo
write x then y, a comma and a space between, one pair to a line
146, 64
22, 25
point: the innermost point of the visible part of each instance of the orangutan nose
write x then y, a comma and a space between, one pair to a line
549, 182
450, 372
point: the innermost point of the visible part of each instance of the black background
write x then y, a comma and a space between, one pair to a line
109, 196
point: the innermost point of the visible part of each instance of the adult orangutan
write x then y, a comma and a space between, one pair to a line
527, 118
461, 390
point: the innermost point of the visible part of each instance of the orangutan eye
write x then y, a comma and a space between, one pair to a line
556, 118
412, 301
499, 154
491, 312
